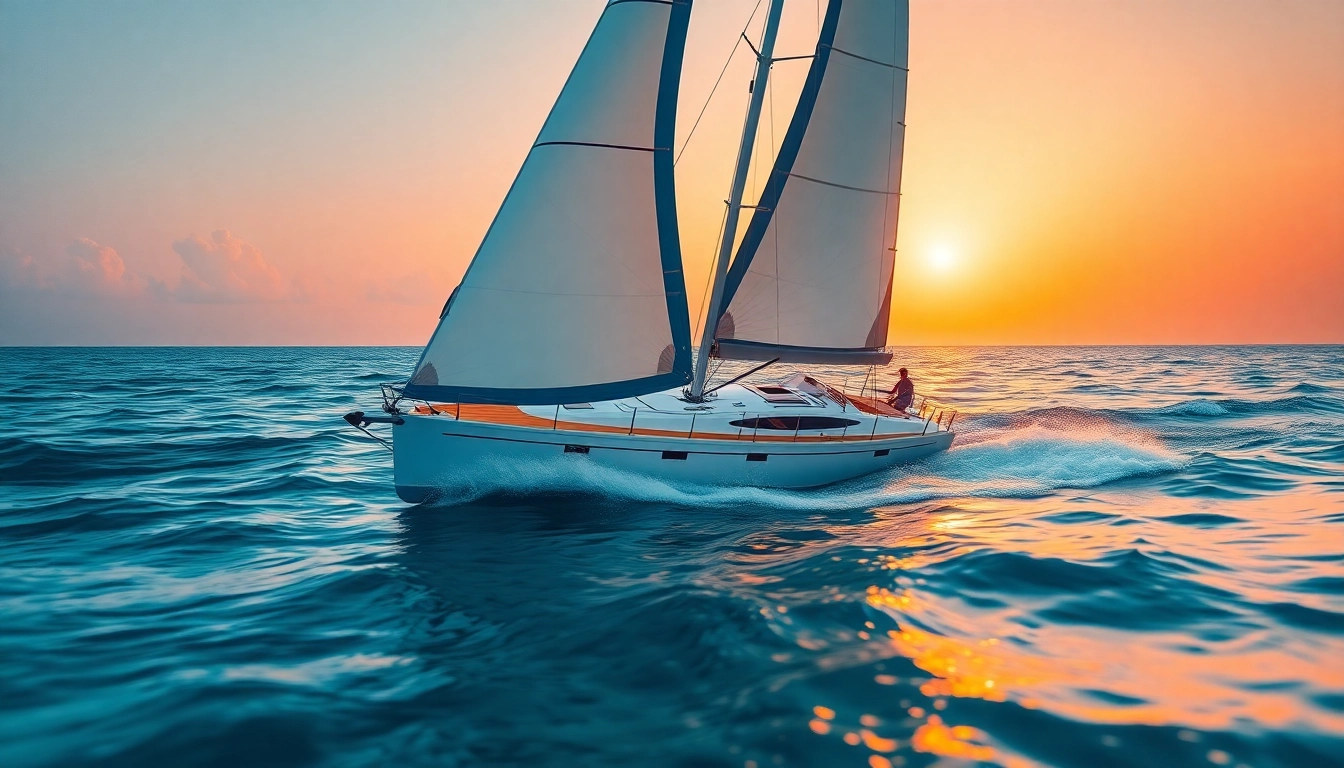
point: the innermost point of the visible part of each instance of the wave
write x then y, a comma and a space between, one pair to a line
201, 560
1198, 407
1309, 388
1309, 400
1303, 403
1022, 463
31, 462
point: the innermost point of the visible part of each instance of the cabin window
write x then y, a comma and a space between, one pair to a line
779, 395
794, 423
675, 455
578, 406
576, 449
883, 452
757, 456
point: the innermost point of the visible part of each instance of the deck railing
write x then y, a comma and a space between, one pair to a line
930, 411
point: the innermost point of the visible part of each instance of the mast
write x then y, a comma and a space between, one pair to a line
827, 216
763, 62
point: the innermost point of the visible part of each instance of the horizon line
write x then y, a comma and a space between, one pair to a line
895, 346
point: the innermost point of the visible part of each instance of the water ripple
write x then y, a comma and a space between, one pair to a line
1132, 556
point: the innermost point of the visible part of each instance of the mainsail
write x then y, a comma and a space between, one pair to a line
577, 293
812, 278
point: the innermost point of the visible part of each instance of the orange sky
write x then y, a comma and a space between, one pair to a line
1094, 171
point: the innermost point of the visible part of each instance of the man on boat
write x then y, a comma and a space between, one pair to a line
903, 394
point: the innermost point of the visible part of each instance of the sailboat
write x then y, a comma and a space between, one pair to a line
569, 336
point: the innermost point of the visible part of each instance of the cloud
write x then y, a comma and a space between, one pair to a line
223, 268
18, 271
87, 268
218, 268
94, 269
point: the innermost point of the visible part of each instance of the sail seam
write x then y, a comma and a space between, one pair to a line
559, 293
842, 186
598, 144
865, 58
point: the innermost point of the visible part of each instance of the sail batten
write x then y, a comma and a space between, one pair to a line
576, 292
592, 144
813, 275
842, 186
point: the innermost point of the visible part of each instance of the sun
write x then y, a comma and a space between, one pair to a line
942, 258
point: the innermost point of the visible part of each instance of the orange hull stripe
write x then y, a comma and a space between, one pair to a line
513, 416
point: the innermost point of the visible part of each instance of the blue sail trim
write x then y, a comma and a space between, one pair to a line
734, 349
550, 396
788, 153
665, 192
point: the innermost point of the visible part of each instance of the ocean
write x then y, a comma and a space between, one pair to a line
1132, 556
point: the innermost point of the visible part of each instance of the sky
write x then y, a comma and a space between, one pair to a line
1076, 172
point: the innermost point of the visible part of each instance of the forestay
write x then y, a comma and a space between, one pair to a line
812, 278
576, 293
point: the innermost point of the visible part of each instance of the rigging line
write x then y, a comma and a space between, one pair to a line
704, 295
709, 278
705, 106
886, 210
753, 48
715, 372
776, 227
774, 146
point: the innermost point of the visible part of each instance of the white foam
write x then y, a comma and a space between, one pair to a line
567, 476
1200, 407
1024, 462
1035, 460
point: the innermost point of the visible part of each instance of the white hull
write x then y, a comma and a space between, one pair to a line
721, 444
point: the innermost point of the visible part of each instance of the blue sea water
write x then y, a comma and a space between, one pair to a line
1131, 557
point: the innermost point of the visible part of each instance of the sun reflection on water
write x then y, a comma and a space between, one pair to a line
1091, 671
951, 741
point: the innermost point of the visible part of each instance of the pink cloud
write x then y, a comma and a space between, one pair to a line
224, 268
18, 270
96, 269
87, 268
218, 268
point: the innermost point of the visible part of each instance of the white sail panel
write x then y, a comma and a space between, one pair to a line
812, 277
611, 96
576, 292
821, 302
557, 297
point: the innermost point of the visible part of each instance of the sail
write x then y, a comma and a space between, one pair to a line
576, 292
812, 278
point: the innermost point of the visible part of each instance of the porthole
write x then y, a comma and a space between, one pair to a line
794, 423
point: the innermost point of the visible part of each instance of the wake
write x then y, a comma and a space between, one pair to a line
1026, 459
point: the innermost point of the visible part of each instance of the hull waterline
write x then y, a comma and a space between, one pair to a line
734, 442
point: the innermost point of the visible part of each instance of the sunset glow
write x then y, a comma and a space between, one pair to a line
942, 258
1088, 173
